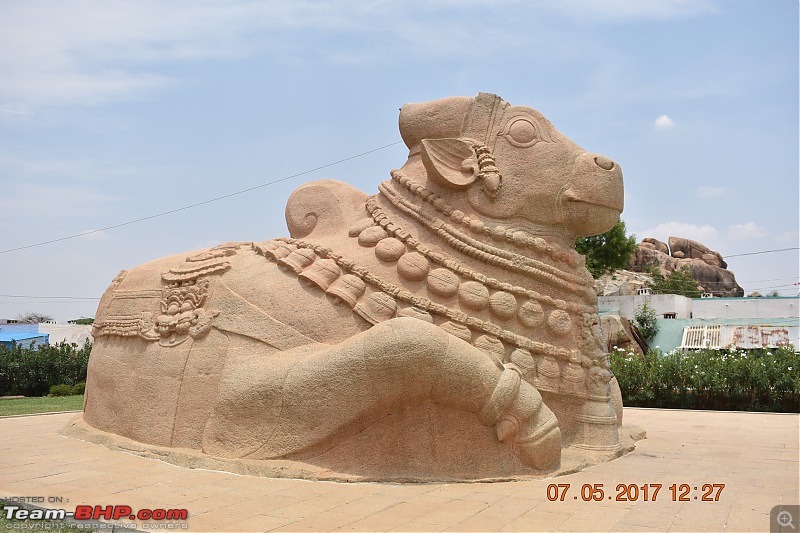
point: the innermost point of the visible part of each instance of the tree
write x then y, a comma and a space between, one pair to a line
607, 252
679, 282
645, 317
36, 318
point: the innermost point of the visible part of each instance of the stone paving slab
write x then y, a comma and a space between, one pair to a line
754, 455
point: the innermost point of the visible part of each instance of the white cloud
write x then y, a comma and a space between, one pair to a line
25, 203
664, 122
704, 234
90, 51
87, 52
742, 232
632, 9
14, 111
705, 191
38, 170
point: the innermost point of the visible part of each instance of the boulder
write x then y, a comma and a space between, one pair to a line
619, 334
621, 283
694, 250
656, 244
645, 257
706, 266
713, 279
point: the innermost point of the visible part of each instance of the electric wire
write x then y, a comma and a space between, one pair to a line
50, 297
762, 252
184, 208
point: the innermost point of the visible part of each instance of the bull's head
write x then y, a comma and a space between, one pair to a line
511, 165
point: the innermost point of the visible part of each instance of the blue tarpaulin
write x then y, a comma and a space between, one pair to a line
23, 338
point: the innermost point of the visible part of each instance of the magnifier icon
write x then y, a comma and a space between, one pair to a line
785, 519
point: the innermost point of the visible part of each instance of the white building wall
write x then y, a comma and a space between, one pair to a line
706, 308
69, 333
783, 307
662, 303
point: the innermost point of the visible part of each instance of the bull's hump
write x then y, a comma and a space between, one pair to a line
321, 209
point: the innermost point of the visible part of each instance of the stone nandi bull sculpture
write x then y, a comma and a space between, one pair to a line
444, 327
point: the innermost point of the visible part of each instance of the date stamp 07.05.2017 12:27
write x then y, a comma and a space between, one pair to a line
648, 492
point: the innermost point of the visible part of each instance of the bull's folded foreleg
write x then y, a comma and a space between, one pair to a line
296, 404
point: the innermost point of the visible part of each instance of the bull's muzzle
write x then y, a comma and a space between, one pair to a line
593, 200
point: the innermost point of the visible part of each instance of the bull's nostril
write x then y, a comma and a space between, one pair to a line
604, 162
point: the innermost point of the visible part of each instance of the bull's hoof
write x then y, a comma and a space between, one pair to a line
522, 419
541, 449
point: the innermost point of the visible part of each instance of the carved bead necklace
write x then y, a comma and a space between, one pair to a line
492, 255
401, 294
326, 270
381, 220
475, 225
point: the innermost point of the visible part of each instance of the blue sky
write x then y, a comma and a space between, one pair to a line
112, 111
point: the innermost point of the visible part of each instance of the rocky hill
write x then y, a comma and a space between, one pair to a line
706, 266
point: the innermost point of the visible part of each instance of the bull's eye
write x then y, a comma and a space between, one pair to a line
520, 131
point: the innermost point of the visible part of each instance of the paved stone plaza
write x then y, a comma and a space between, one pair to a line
754, 455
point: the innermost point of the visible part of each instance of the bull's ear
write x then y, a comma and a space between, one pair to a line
451, 163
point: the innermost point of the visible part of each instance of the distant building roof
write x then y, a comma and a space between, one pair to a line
747, 336
18, 336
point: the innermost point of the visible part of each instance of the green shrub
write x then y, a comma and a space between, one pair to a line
727, 380
32, 371
68, 390
61, 390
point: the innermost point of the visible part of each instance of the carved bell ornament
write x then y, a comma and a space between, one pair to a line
321, 273
376, 308
280, 251
415, 312
298, 260
490, 345
347, 288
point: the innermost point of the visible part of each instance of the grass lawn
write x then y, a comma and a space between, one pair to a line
23, 406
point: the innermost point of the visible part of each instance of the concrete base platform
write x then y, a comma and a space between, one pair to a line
747, 462
572, 460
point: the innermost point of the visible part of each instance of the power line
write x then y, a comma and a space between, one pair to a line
763, 252
763, 280
48, 302
198, 203
727, 283
790, 285
50, 297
